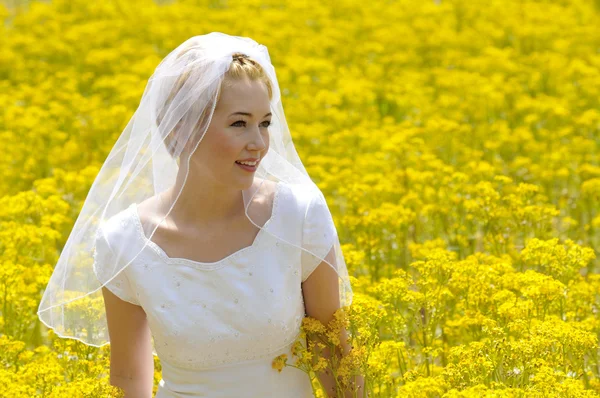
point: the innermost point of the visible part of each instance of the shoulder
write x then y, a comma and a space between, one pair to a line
118, 230
292, 200
302, 196
287, 197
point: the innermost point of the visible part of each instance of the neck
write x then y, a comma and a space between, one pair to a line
202, 199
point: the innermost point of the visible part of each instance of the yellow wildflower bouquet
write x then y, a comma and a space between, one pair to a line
312, 353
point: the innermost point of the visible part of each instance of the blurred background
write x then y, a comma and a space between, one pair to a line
457, 144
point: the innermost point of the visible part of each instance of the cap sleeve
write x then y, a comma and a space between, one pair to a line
318, 234
105, 266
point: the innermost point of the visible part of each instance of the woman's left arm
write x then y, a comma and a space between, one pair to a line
321, 300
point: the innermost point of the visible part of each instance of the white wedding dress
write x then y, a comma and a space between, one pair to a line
217, 326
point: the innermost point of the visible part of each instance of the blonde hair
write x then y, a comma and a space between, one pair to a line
241, 67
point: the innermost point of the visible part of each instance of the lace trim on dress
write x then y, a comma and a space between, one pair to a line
205, 265
235, 359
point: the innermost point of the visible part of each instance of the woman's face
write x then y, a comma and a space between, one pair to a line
238, 131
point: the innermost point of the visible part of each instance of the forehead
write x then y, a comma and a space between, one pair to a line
245, 95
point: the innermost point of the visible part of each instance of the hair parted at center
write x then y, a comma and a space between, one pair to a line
242, 67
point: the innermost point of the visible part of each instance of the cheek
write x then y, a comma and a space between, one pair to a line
223, 147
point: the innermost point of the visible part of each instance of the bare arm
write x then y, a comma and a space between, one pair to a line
321, 299
131, 361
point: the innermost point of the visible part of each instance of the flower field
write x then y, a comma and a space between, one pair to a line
457, 144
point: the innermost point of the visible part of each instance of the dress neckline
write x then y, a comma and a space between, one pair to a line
199, 264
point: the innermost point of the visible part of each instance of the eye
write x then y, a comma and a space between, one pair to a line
243, 121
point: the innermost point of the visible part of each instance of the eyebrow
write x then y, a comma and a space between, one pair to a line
247, 114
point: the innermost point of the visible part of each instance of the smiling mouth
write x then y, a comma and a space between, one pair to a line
248, 167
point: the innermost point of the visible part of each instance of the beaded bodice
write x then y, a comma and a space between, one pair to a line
204, 315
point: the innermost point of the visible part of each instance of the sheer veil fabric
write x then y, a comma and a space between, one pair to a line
155, 147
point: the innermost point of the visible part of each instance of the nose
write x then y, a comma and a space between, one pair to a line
258, 142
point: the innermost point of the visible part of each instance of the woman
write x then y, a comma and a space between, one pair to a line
210, 241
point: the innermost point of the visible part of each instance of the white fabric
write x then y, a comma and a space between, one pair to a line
152, 159
217, 326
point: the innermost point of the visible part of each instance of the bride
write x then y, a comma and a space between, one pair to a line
210, 242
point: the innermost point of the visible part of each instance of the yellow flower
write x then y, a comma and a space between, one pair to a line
279, 362
296, 348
